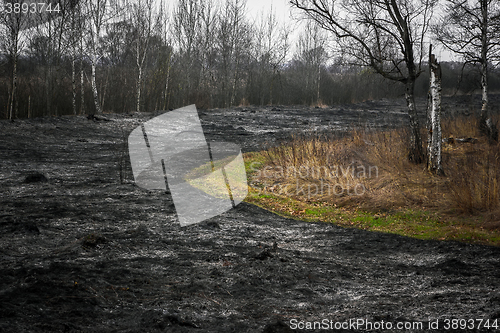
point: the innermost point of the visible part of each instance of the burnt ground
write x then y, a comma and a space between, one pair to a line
82, 250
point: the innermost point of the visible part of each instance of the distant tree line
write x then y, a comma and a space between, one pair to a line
93, 56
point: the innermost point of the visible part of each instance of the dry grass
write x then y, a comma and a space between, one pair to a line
319, 104
369, 171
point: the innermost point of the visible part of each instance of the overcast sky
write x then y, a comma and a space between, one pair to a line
283, 12
281, 7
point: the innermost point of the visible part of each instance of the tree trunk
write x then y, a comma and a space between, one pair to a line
94, 86
73, 81
486, 125
165, 101
104, 89
82, 88
139, 80
235, 80
47, 92
14, 83
318, 83
415, 153
434, 162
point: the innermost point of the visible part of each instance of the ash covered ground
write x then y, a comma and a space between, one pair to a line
83, 249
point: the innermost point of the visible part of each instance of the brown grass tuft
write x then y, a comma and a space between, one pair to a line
369, 169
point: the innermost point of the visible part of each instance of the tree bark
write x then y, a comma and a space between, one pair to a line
486, 125
434, 161
94, 86
138, 96
14, 83
82, 88
73, 81
318, 83
415, 153
165, 100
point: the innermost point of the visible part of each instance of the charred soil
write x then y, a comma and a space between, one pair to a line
83, 249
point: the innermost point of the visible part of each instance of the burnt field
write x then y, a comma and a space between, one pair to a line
83, 249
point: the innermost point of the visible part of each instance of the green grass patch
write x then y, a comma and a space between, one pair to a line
411, 222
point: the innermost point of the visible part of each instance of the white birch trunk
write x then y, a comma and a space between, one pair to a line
94, 86
486, 125
434, 164
139, 80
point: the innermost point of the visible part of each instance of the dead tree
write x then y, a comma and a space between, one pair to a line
385, 35
471, 29
434, 161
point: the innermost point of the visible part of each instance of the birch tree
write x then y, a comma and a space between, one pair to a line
165, 59
98, 13
145, 22
434, 162
385, 35
74, 41
471, 29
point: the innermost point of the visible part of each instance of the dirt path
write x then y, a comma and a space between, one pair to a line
83, 252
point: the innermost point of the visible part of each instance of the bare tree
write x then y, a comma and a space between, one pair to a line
48, 43
207, 41
471, 28
311, 52
186, 27
145, 22
97, 14
234, 39
272, 46
74, 36
165, 64
386, 35
96, 11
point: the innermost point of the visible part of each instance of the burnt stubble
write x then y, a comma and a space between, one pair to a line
84, 249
